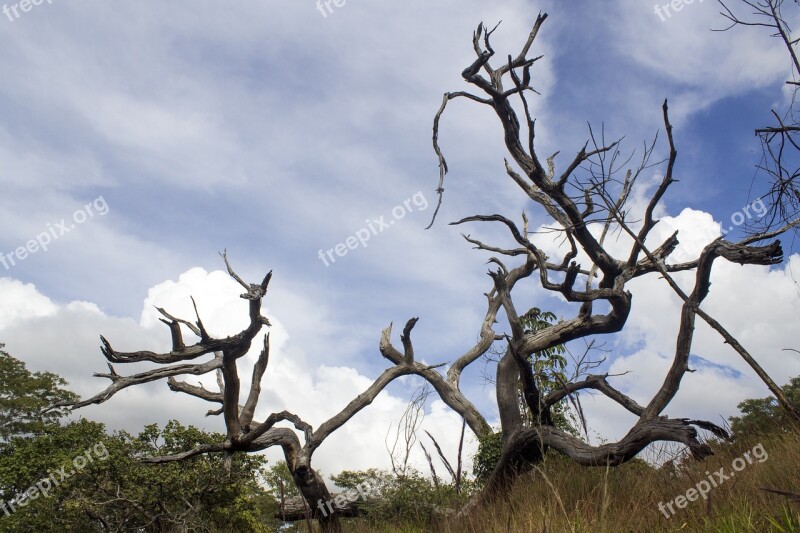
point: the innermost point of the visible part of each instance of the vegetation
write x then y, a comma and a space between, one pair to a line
561, 496
116, 491
760, 416
98, 482
24, 395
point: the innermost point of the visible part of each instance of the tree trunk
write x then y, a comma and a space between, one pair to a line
313, 489
519, 456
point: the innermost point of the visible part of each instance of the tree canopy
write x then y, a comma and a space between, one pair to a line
24, 396
766, 415
80, 477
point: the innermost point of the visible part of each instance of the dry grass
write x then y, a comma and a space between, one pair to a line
563, 497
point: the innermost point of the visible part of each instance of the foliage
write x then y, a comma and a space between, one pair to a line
378, 480
24, 395
277, 475
124, 494
26, 461
765, 415
549, 371
490, 447
410, 499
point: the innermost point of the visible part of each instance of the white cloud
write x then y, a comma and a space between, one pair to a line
680, 49
28, 303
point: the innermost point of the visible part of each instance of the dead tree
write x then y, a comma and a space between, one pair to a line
405, 434
243, 433
590, 192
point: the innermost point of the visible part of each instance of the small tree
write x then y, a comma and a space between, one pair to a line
25, 395
549, 368
765, 415
549, 373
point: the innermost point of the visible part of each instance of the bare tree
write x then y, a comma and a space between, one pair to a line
405, 435
780, 145
590, 192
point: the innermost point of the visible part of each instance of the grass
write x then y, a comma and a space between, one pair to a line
560, 496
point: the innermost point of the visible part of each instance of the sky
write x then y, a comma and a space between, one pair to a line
143, 139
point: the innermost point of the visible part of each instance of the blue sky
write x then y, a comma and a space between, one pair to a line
273, 132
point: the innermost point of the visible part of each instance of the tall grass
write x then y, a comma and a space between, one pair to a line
560, 496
